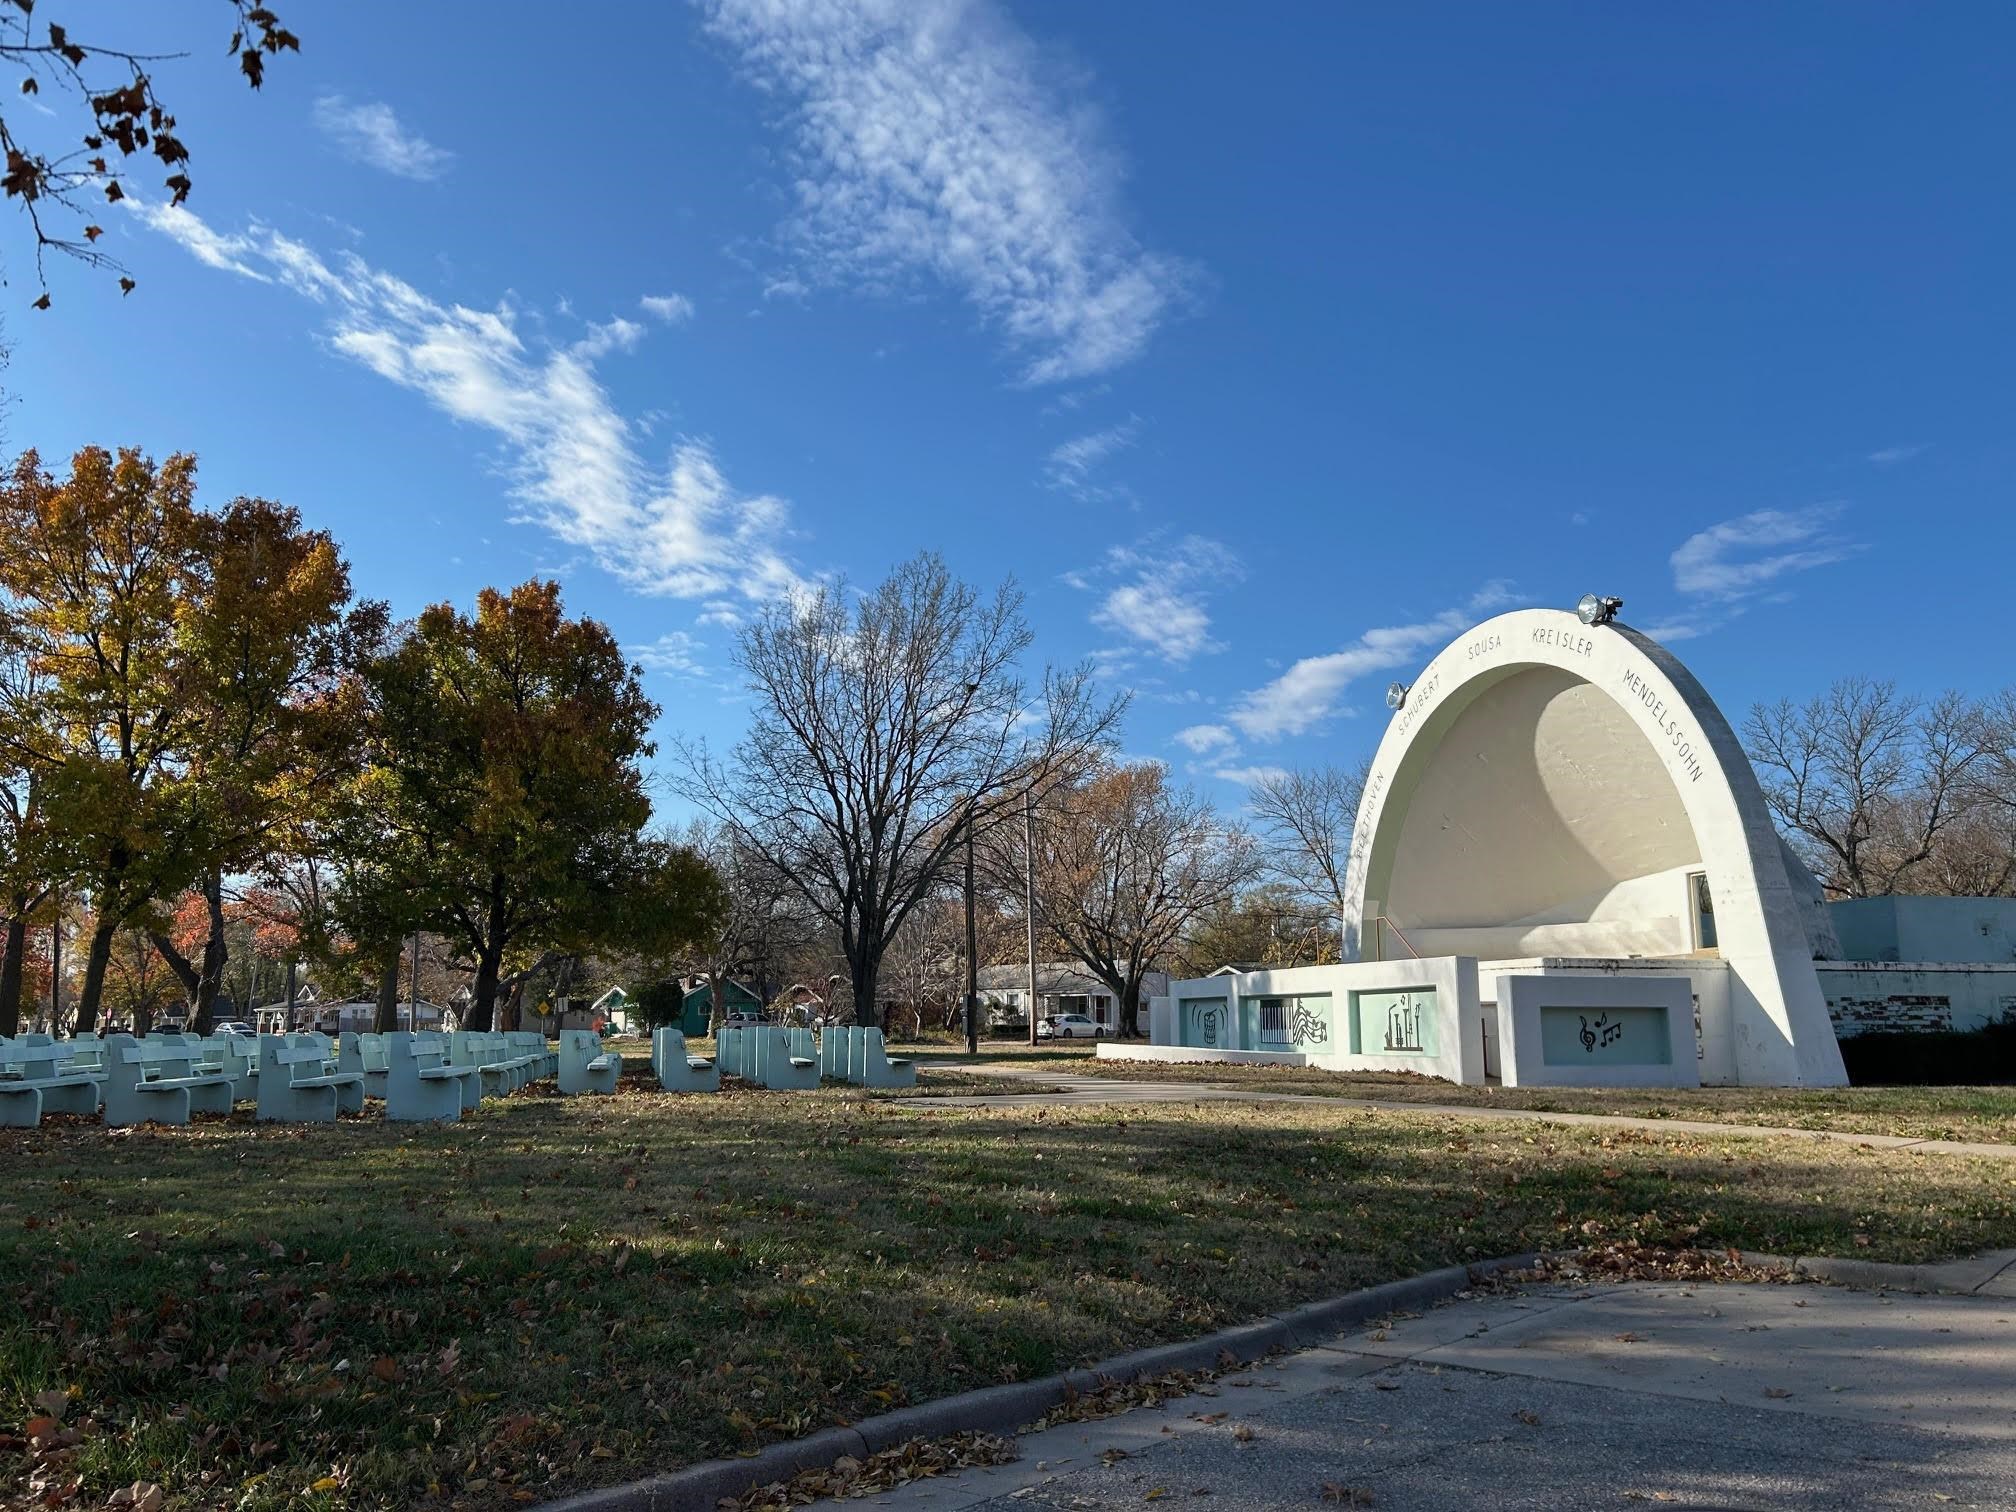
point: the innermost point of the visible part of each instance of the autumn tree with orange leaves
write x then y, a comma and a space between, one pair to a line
505, 773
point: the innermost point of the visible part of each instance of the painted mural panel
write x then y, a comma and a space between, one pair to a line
1395, 1023
1631, 1036
1204, 1025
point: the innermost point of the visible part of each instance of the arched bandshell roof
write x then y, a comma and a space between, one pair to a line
1548, 788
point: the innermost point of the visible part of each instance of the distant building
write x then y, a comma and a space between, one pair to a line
736, 997
1061, 987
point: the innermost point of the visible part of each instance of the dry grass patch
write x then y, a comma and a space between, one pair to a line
1978, 1114
555, 1293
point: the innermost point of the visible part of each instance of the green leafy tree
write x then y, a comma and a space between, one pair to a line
267, 643
505, 750
96, 576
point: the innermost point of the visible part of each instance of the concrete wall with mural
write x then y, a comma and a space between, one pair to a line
1863, 997
1413, 1015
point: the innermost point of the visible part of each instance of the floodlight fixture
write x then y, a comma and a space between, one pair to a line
1396, 694
1596, 609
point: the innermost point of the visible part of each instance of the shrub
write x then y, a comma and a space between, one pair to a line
1947, 1057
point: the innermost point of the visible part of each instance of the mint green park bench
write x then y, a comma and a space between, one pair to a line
38, 1079
852, 1053
533, 1045
586, 1065
732, 1050
785, 1059
301, 1080
421, 1087
504, 1070
237, 1056
677, 1070
364, 1053
158, 1081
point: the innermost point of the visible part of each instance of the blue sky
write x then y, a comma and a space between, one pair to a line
1266, 347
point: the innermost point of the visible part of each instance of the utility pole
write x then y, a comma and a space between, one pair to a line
56, 969
1029, 899
413, 988
972, 951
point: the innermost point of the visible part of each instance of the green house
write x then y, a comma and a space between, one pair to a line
699, 1004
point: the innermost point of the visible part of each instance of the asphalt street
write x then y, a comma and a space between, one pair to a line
1641, 1394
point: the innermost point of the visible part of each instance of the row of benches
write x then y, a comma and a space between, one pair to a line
781, 1058
291, 1078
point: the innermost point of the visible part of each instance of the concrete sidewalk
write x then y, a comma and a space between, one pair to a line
1736, 1396
1052, 1089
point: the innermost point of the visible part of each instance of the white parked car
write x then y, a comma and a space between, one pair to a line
234, 1026
1068, 1026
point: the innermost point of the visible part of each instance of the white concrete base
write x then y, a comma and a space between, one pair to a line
1188, 1055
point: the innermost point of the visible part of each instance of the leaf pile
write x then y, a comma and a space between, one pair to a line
919, 1459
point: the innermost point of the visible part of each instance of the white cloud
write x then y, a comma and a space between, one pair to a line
1200, 738
673, 309
1071, 466
1313, 688
1736, 557
1674, 630
1246, 776
674, 527
371, 133
1890, 456
1161, 604
675, 651
934, 138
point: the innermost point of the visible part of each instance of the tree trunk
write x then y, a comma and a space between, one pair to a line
489, 964
1130, 1009
483, 997
386, 1019
11, 966
863, 970
184, 969
94, 975
216, 953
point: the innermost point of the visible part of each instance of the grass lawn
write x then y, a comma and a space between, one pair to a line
557, 1293
1985, 1114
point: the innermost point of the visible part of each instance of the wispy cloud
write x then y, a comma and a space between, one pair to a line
1313, 689
1199, 739
936, 139
371, 133
1247, 776
1735, 558
1890, 456
674, 652
673, 309
676, 528
1073, 466
1159, 604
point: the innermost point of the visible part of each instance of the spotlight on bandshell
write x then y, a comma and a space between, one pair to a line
1595, 609
1396, 694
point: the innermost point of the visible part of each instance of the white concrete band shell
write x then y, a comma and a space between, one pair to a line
1568, 792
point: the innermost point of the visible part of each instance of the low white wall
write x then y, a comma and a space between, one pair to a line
1589, 1030
1326, 1009
1864, 997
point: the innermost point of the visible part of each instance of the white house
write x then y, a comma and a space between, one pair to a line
1061, 987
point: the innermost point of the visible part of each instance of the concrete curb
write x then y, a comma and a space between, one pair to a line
1006, 1409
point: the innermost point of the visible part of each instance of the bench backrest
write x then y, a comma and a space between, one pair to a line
154, 1058
287, 1056
37, 1062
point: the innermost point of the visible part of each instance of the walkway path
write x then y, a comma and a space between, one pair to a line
1064, 1089
1735, 1396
